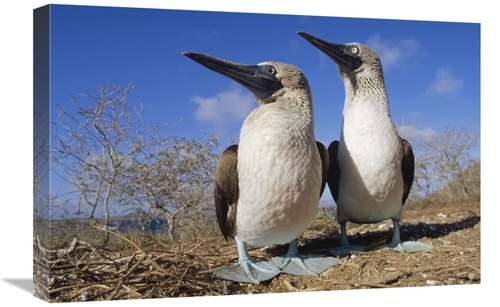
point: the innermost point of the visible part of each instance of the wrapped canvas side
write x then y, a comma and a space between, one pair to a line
41, 154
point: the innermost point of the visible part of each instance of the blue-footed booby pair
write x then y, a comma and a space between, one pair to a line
371, 167
267, 188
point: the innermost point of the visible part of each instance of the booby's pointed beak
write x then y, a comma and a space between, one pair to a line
341, 54
256, 78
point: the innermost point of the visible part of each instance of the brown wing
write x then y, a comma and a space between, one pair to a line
226, 190
334, 170
408, 168
324, 165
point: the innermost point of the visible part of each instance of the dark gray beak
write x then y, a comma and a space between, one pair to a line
346, 60
256, 78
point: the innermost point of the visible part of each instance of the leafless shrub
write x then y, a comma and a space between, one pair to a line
112, 160
445, 169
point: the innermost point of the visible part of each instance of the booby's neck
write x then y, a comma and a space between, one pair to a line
366, 110
293, 105
365, 86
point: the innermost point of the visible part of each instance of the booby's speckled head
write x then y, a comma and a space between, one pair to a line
350, 58
291, 78
263, 80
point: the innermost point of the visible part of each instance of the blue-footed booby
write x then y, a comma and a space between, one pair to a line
371, 167
267, 188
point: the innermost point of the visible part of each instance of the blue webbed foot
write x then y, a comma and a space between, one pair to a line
306, 265
247, 270
345, 248
408, 247
405, 247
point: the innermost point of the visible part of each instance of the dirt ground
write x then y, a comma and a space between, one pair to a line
149, 269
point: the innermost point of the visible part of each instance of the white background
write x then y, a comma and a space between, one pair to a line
16, 101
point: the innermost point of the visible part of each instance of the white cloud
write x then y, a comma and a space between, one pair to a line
445, 84
225, 108
411, 132
418, 138
392, 52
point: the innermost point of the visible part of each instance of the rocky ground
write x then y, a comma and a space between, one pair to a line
151, 269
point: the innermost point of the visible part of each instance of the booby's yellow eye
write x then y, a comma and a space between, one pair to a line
271, 70
354, 49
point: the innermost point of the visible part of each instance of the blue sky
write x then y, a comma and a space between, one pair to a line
16, 125
432, 69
